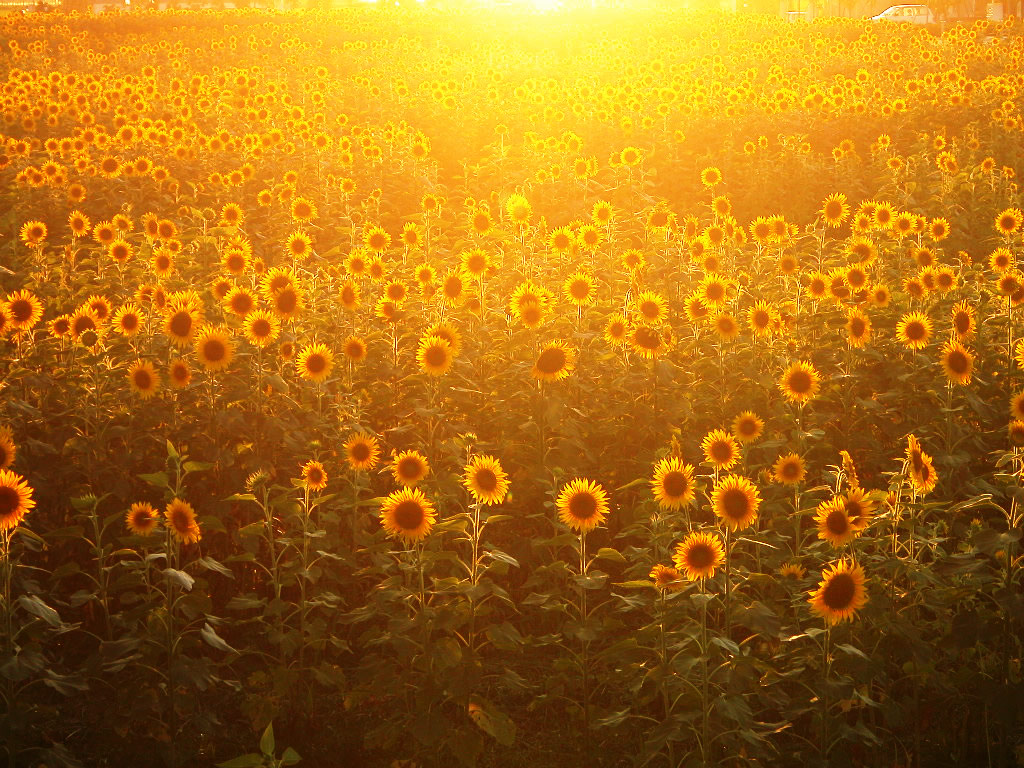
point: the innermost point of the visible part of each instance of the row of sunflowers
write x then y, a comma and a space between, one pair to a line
420, 386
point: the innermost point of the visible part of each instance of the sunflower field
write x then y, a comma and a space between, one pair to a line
447, 386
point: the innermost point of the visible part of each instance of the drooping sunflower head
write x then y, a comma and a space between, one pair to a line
673, 484
736, 501
486, 480
841, 592
666, 578
582, 505
858, 328
699, 554
647, 341
407, 515
15, 499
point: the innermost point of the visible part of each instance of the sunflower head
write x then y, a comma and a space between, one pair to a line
362, 451
408, 515
582, 505
181, 521
800, 382
142, 519
736, 501
699, 554
673, 484
15, 499
720, 449
555, 362
486, 480
841, 592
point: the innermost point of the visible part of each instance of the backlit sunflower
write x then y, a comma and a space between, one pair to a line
142, 519
449, 333
261, 328
127, 320
762, 317
835, 210
486, 480
181, 320
699, 554
735, 501
315, 362
914, 330
1008, 221
651, 308
747, 427
841, 592
616, 332
434, 355
582, 505
181, 521
23, 310
800, 382
407, 514
15, 499
789, 469
179, 373
362, 451
858, 328
214, 348
958, 362
720, 449
314, 476
409, 467
555, 362
666, 578
579, 289
354, 348
8, 448
922, 471
143, 379
650, 343
240, 301
834, 524
673, 484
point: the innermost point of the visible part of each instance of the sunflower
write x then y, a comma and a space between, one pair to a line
789, 469
396, 291
913, 330
240, 301
298, 245
362, 451
579, 289
315, 362
561, 240
747, 427
651, 307
713, 290
673, 484
840, 592
449, 333
922, 472
288, 302
726, 327
181, 521
1016, 432
792, 570
142, 519
120, 251
143, 379
555, 362
33, 232
735, 501
711, 177
486, 480
834, 524
409, 467
762, 317
582, 505
835, 210
434, 355
23, 310
214, 348
1017, 406
858, 328
354, 348
958, 362
616, 331
8, 448
800, 382
261, 328
1008, 221
453, 287
666, 578
127, 320
1001, 260
15, 499
179, 373
314, 476
376, 239
859, 507
648, 342
720, 449
699, 554
408, 515
181, 319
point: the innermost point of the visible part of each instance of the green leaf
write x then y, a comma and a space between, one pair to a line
504, 636
852, 650
267, 739
607, 553
180, 578
290, 757
497, 554
172, 452
209, 634
196, 466
212, 565
635, 584
156, 479
34, 605
241, 497
492, 721
252, 760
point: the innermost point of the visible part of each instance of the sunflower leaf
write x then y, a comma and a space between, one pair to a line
180, 578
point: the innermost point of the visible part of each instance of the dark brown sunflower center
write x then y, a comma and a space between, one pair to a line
647, 338
214, 350
649, 309
583, 506
241, 302
675, 484
486, 480
800, 381
143, 379
715, 292
10, 500
857, 327
20, 309
735, 504
409, 467
551, 360
476, 263
761, 318
314, 475
453, 287
837, 523
700, 556
360, 452
790, 470
181, 324
409, 515
839, 592
579, 289
958, 362
915, 330
129, 321
287, 301
720, 451
436, 356
316, 363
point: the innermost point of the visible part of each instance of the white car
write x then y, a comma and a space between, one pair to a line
907, 14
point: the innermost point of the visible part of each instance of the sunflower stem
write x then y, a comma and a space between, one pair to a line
586, 645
